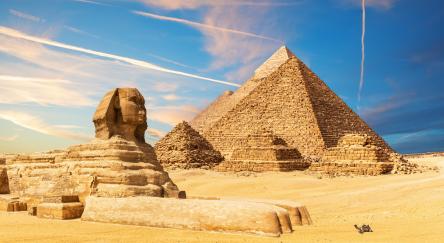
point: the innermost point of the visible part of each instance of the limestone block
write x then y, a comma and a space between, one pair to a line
12, 204
71, 210
194, 214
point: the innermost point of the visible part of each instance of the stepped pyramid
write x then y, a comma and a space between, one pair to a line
290, 101
185, 148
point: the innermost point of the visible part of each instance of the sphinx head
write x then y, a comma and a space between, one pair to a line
121, 112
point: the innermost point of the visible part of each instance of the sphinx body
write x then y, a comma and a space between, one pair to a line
117, 163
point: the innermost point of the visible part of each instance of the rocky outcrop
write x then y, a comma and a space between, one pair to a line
185, 148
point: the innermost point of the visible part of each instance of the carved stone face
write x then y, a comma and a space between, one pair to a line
132, 106
121, 112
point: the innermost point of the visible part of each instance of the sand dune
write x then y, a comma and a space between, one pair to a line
399, 208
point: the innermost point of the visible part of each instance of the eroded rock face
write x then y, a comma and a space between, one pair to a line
118, 163
121, 112
208, 215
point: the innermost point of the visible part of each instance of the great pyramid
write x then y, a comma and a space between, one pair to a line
185, 148
286, 98
228, 100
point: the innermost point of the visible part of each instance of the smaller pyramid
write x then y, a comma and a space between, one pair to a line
185, 148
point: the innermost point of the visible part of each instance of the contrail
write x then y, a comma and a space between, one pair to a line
17, 34
204, 26
361, 80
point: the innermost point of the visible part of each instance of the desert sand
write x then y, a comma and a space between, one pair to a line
399, 208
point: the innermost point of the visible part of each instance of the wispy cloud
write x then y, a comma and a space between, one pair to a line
192, 4
9, 138
155, 133
43, 91
79, 31
378, 4
204, 26
233, 51
165, 87
17, 34
361, 79
172, 115
25, 16
36, 124
171, 97
170, 61
92, 2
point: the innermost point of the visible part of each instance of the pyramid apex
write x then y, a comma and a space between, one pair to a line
279, 57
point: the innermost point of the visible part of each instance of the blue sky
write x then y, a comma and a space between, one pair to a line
59, 57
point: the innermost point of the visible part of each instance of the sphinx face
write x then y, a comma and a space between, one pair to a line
132, 106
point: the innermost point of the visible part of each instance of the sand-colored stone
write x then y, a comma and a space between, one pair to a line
4, 181
12, 204
298, 213
354, 155
208, 215
71, 210
185, 148
229, 99
406, 208
263, 151
118, 163
291, 102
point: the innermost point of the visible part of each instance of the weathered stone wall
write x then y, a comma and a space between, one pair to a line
354, 155
262, 151
112, 168
262, 166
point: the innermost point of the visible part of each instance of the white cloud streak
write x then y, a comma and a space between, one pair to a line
155, 133
16, 34
43, 91
172, 115
36, 124
25, 16
361, 80
9, 138
205, 26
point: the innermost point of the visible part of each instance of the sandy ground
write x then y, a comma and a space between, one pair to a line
399, 208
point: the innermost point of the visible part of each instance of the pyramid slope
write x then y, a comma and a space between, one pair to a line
228, 100
185, 148
334, 116
294, 104
278, 58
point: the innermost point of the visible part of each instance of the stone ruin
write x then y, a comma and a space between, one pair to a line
354, 155
263, 151
287, 99
116, 178
185, 148
118, 163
